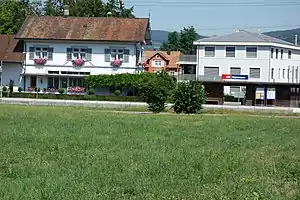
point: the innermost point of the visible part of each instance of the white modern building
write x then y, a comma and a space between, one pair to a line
249, 57
60, 51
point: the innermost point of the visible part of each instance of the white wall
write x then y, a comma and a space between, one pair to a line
263, 61
12, 71
96, 66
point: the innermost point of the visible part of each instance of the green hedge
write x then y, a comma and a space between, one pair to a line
124, 80
78, 97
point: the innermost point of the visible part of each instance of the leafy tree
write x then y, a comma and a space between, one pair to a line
13, 13
182, 41
188, 97
187, 37
173, 43
155, 91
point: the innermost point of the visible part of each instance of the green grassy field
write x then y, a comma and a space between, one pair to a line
80, 153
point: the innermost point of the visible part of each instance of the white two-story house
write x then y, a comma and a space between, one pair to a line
254, 57
60, 51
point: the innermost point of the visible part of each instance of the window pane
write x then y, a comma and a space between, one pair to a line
50, 82
254, 72
209, 52
230, 51
80, 82
38, 54
251, 52
45, 54
56, 82
120, 56
63, 82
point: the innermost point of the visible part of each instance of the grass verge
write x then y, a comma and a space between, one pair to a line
84, 153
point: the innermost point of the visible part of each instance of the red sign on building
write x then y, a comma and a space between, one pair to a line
226, 76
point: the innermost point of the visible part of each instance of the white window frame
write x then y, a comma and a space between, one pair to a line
79, 53
116, 54
157, 63
230, 54
41, 52
252, 47
214, 52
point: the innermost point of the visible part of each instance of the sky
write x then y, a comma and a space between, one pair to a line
217, 17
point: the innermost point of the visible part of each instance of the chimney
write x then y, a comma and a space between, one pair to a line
296, 39
169, 52
66, 11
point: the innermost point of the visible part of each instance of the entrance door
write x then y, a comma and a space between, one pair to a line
33, 81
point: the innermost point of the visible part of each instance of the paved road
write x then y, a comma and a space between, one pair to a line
116, 104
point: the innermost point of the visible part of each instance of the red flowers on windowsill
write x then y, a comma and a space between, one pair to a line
78, 62
40, 61
76, 89
116, 63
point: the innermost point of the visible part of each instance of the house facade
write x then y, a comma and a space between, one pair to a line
249, 57
62, 53
11, 60
162, 60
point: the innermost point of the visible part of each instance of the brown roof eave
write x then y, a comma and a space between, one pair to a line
81, 40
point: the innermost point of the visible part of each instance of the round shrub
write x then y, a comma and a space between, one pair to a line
20, 89
44, 89
117, 92
188, 97
91, 91
61, 90
4, 88
37, 89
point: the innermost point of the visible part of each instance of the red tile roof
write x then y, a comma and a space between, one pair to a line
85, 28
10, 49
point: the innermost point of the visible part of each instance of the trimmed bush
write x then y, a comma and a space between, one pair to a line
4, 88
117, 92
189, 97
91, 91
20, 89
61, 90
37, 89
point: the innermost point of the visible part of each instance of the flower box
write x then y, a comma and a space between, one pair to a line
30, 89
40, 61
51, 90
76, 90
78, 62
116, 63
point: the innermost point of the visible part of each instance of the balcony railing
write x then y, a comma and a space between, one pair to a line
188, 58
186, 77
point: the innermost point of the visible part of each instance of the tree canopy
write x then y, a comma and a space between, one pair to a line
13, 13
182, 41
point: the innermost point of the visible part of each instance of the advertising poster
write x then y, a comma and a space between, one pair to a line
260, 93
271, 94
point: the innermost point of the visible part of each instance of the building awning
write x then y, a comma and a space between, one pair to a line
51, 75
